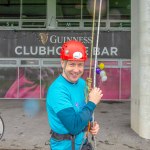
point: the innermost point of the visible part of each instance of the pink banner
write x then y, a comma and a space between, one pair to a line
117, 86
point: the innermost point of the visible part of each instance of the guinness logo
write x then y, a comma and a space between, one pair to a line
1, 127
43, 37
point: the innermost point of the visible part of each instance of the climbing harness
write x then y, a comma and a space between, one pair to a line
61, 137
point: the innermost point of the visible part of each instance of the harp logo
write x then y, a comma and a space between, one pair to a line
43, 37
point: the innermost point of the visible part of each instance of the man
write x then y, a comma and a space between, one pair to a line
68, 112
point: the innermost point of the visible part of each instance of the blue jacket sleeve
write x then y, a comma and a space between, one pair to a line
76, 122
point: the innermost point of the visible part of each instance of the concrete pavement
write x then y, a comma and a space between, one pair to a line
25, 132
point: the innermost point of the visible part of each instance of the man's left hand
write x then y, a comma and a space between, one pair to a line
94, 128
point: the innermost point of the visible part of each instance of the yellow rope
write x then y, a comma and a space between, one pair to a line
89, 79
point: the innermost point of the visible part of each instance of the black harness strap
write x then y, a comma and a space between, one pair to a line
73, 142
61, 137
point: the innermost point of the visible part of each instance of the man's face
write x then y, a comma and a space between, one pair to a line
72, 70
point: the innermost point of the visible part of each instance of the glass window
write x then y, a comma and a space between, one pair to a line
88, 7
119, 9
31, 9
67, 9
29, 82
8, 82
79, 9
33, 13
48, 75
34, 9
9, 9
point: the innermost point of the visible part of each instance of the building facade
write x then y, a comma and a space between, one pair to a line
31, 35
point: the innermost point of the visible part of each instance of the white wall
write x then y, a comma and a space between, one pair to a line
140, 68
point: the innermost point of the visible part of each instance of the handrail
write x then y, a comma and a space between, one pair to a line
63, 24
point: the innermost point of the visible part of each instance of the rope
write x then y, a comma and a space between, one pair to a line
93, 25
97, 42
89, 79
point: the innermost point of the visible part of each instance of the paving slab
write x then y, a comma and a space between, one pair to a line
24, 132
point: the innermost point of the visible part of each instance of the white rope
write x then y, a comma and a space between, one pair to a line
97, 43
95, 62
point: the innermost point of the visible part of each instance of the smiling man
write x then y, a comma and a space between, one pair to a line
68, 112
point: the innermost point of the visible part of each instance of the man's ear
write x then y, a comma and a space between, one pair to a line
62, 64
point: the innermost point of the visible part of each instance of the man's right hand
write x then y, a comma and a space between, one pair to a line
95, 95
